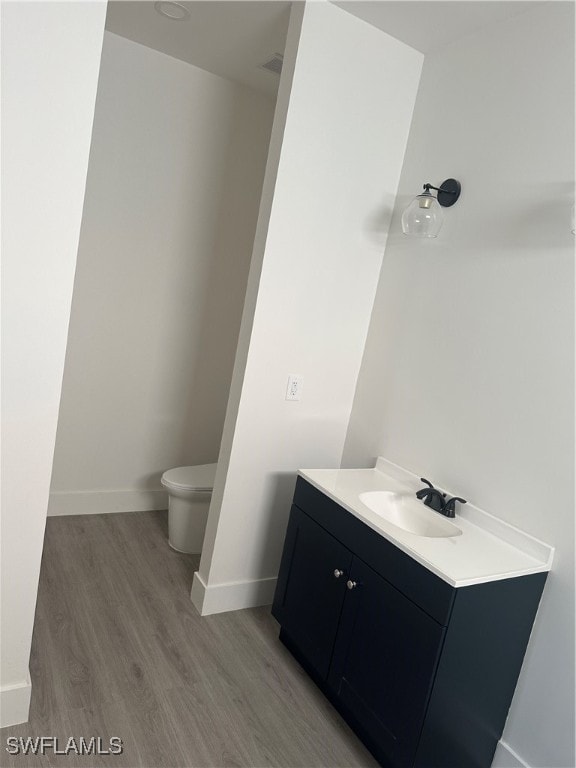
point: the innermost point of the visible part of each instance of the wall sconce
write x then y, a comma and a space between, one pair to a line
424, 217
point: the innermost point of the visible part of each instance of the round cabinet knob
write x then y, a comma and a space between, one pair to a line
351, 584
338, 573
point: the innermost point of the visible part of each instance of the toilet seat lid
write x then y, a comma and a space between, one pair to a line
200, 477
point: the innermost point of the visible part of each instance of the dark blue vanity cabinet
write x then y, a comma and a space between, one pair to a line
423, 672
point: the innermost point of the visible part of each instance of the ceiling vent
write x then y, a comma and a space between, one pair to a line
274, 64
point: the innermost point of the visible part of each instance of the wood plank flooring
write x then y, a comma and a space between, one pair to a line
119, 650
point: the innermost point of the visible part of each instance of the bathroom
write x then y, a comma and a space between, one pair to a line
177, 160
455, 359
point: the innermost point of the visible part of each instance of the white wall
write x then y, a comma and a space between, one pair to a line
468, 374
315, 268
50, 60
174, 181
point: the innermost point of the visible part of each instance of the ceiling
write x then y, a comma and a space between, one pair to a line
429, 24
230, 39
234, 38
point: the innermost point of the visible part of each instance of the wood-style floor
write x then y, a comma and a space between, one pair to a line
119, 650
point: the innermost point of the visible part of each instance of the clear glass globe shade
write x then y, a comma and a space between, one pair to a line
423, 217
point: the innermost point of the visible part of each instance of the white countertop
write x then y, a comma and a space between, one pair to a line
488, 549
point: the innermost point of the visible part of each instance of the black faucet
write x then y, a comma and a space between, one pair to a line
431, 496
449, 508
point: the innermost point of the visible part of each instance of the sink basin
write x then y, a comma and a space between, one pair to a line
405, 511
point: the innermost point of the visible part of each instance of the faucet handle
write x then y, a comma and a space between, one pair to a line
449, 508
431, 496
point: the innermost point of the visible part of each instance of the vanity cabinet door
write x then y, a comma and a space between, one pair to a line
311, 589
383, 664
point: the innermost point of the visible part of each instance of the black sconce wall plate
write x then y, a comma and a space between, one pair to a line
448, 192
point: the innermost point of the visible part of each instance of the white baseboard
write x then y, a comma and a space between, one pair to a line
15, 703
234, 596
505, 757
99, 502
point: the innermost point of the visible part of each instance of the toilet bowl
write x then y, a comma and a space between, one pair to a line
189, 492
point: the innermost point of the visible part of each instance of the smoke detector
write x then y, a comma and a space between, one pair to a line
174, 11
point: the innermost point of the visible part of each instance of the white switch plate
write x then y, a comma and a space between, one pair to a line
294, 388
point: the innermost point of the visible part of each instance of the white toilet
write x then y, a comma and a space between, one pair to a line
189, 492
